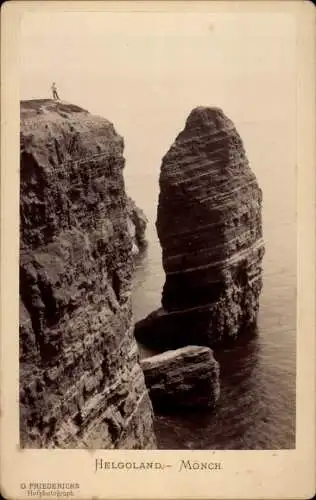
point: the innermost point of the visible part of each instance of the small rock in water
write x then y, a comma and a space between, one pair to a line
183, 378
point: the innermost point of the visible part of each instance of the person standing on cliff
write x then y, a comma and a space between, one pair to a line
54, 90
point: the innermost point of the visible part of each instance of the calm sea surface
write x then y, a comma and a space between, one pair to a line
256, 409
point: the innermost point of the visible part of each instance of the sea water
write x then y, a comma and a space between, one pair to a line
256, 409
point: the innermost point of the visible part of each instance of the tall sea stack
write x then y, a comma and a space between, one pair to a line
80, 381
210, 230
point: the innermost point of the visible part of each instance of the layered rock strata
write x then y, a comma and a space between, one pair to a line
209, 227
80, 381
184, 378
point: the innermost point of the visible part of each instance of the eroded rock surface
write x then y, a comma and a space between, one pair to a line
80, 381
137, 223
182, 378
210, 231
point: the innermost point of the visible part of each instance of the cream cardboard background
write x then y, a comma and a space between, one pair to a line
245, 474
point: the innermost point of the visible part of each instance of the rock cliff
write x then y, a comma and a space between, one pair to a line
137, 223
209, 227
80, 381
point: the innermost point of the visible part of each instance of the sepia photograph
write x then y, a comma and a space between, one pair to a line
157, 232
158, 235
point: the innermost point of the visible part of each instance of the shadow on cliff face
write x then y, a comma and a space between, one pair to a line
189, 281
247, 334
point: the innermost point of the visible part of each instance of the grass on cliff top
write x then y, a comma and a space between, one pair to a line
49, 105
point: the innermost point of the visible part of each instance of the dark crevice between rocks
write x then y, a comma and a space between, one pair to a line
38, 299
49, 302
114, 428
116, 285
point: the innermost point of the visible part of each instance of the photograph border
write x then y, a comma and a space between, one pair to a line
243, 474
